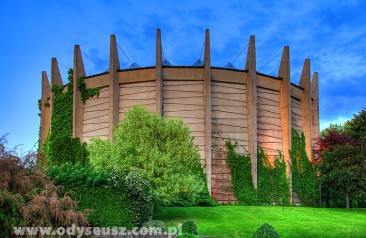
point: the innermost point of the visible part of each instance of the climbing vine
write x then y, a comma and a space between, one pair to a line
241, 176
273, 185
86, 93
304, 179
60, 147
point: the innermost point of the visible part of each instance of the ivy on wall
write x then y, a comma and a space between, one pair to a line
60, 147
304, 179
241, 176
86, 93
273, 185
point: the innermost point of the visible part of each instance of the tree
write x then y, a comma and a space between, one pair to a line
29, 198
356, 128
164, 149
329, 140
332, 127
341, 158
343, 171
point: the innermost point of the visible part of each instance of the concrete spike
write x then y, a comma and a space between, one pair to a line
55, 73
315, 107
207, 108
159, 74
315, 86
45, 110
78, 106
285, 111
305, 75
251, 88
284, 70
306, 111
46, 88
114, 89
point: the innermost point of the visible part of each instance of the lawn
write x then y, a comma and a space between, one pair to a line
242, 221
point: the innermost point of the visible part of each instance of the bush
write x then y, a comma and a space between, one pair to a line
164, 149
29, 198
155, 224
266, 231
202, 199
103, 192
187, 235
190, 227
141, 198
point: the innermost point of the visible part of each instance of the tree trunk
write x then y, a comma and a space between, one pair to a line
347, 201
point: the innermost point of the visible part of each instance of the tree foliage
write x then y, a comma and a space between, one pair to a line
331, 139
343, 172
29, 198
164, 149
356, 128
342, 162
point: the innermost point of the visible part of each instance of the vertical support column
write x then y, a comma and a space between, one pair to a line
285, 111
77, 103
207, 108
251, 91
45, 110
159, 74
113, 85
55, 79
315, 106
306, 107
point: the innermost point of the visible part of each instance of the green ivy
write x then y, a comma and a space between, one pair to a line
304, 179
241, 176
60, 147
273, 185
86, 93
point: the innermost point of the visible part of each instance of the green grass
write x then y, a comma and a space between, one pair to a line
242, 221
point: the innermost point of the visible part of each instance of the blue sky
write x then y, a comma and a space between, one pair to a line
331, 33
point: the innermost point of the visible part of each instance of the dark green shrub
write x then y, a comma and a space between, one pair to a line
102, 192
266, 231
141, 198
9, 217
202, 199
187, 235
155, 224
190, 227
354, 203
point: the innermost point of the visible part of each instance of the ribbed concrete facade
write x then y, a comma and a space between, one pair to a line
216, 103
